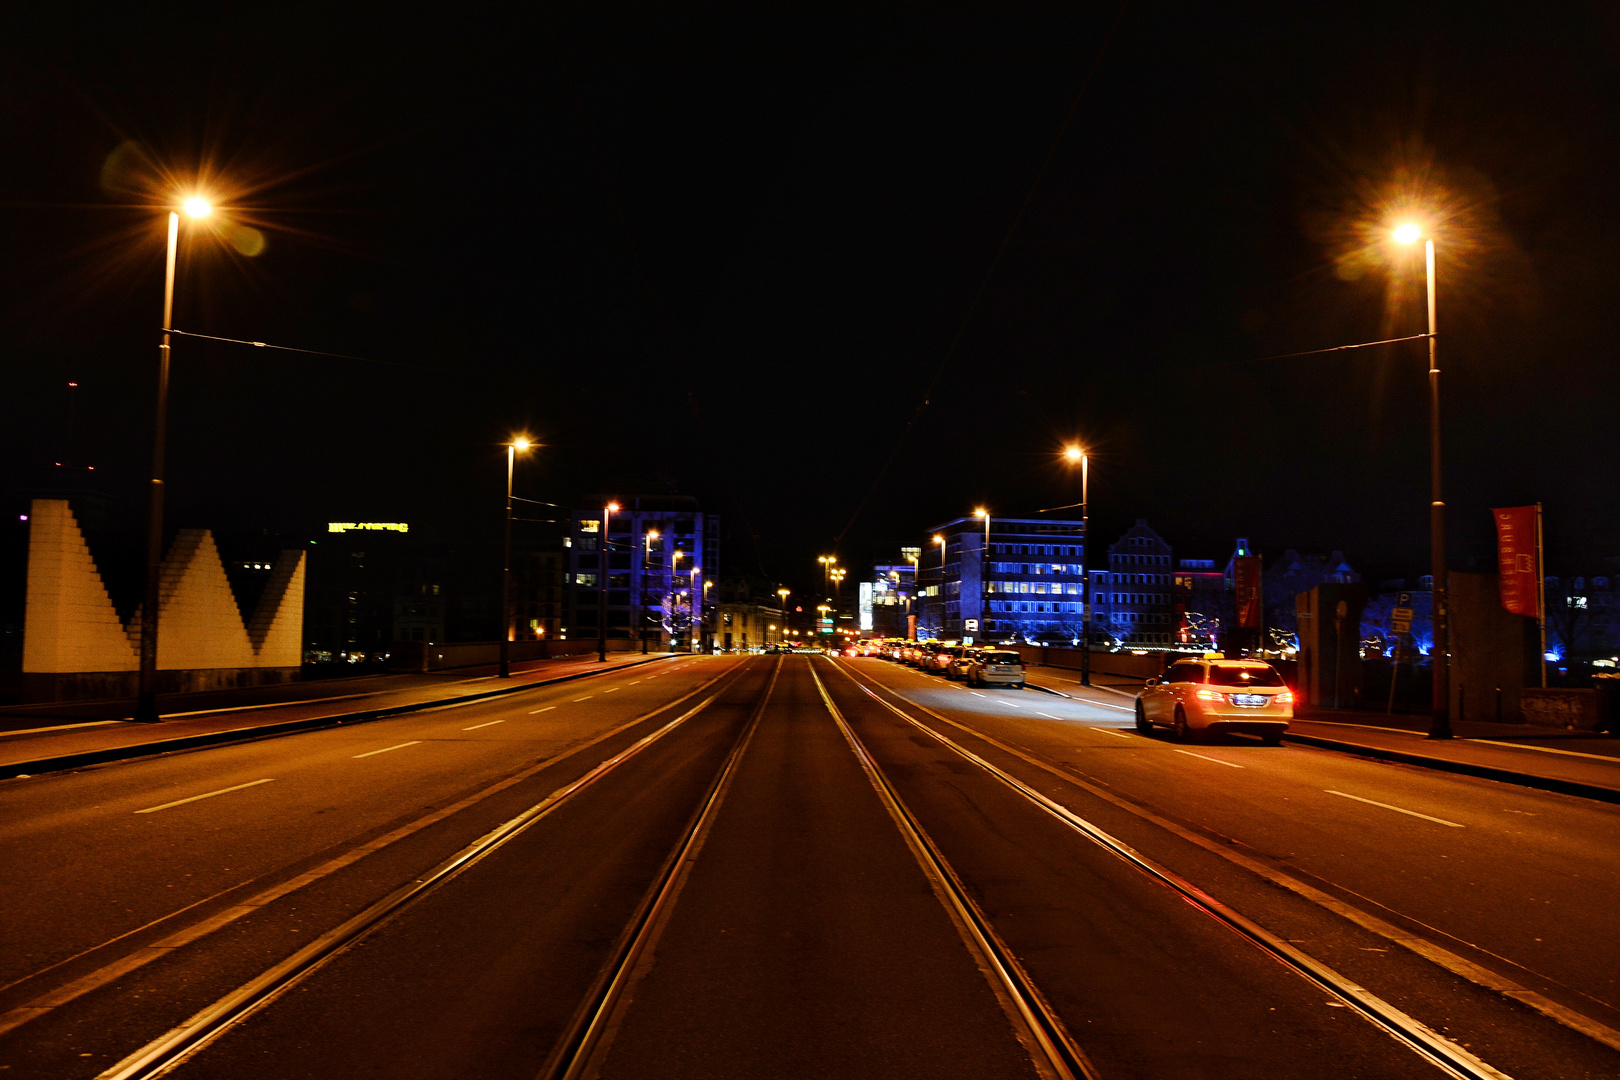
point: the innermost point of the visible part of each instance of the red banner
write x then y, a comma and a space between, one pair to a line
1246, 589
1516, 557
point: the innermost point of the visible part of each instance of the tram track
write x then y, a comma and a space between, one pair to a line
171, 1049
1439, 1051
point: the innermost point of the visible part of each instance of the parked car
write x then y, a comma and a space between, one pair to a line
939, 662
1197, 697
962, 662
996, 667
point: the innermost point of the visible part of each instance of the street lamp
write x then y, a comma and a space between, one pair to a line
784, 593
519, 445
601, 602
641, 593
674, 569
1440, 724
1071, 454
984, 573
146, 710
940, 541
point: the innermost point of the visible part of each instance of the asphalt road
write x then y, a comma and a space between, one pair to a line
802, 934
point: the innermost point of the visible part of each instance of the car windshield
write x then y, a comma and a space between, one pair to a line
1003, 658
1233, 675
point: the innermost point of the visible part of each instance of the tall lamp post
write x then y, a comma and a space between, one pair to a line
641, 594
674, 569
782, 594
601, 601
1073, 453
1440, 724
146, 710
984, 573
939, 541
519, 445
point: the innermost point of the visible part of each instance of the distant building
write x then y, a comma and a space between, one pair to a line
1031, 578
652, 588
885, 606
1132, 599
1201, 602
747, 615
1286, 578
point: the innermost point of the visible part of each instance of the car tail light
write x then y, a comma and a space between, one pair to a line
1209, 695
1285, 698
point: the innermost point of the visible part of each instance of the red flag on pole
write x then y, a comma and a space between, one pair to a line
1246, 589
1518, 559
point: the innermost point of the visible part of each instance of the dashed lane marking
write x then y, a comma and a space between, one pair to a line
1397, 809
587, 697
204, 795
1216, 760
384, 750
486, 723
548, 708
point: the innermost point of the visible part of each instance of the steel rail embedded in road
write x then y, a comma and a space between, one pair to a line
1053, 1050
169, 1049
589, 1036
1417, 1036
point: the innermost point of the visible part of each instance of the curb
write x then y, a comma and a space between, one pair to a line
1048, 690
286, 727
1486, 772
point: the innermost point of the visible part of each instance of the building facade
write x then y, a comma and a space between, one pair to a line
661, 559
1133, 597
1022, 580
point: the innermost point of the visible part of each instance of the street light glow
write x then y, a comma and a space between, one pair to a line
1073, 452
521, 444
613, 507
198, 207
980, 511
1408, 233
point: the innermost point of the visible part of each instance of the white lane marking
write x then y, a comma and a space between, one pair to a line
587, 697
487, 723
1048, 715
206, 795
634, 681
548, 708
1397, 809
1104, 705
385, 749
1014, 704
1216, 760
975, 693
610, 690
61, 727
1111, 731
1521, 746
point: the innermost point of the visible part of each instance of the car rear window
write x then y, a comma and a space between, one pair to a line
1233, 675
1003, 658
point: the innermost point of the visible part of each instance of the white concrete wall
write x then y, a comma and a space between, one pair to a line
70, 624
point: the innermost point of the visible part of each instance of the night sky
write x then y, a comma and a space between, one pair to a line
726, 251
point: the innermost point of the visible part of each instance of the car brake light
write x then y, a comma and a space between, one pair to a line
1285, 698
1208, 695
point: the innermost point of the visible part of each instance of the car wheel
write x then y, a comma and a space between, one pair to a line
1179, 727
1143, 724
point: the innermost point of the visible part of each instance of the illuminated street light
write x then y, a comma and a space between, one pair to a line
1440, 723
146, 710
520, 444
602, 576
641, 593
1073, 453
984, 573
784, 593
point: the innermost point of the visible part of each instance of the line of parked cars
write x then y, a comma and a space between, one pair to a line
976, 665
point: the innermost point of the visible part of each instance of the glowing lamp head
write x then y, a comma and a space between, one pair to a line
197, 207
980, 512
1408, 233
1073, 453
652, 534
939, 539
612, 508
521, 444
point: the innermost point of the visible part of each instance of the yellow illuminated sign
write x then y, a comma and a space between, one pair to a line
367, 526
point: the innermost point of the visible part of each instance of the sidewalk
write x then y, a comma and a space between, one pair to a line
1580, 763
33, 739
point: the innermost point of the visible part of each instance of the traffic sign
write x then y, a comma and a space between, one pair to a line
1401, 626
970, 624
1404, 614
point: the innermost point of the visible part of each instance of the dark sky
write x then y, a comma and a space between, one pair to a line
727, 249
